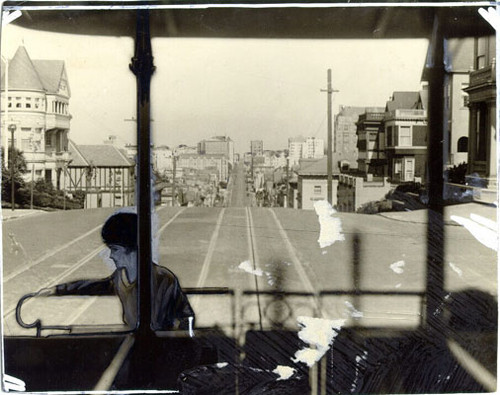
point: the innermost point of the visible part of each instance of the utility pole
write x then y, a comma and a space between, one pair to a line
31, 187
329, 90
173, 181
287, 184
6, 118
12, 129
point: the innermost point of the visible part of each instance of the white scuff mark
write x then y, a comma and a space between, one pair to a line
9, 17
190, 321
325, 252
318, 333
359, 358
490, 224
491, 16
247, 267
221, 365
398, 285
354, 313
309, 356
11, 383
456, 269
330, 227
284, 372
484, 234
397, 267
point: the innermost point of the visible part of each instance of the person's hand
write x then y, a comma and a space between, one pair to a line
46, 292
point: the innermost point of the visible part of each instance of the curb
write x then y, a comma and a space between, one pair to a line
446, 221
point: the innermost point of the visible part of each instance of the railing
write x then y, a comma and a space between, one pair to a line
484, 75
408, 114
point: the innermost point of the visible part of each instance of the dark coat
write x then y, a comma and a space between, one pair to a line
170, 305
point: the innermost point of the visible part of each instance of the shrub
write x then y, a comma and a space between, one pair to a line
456, 174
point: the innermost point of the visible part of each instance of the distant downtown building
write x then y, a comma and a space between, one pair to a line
256, 147
217, 162
345, 139
35, 100
217, 145
305, 148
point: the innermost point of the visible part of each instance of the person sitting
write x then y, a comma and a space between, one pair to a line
170, 306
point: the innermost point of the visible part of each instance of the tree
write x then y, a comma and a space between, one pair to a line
18, 163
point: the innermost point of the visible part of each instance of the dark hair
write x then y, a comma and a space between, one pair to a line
121, 229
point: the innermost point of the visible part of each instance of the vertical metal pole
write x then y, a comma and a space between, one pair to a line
329, 141
65, 166
6, 121
329, 153
12, 164
32, 185
435, 228
287, 204
142, 67
173, 181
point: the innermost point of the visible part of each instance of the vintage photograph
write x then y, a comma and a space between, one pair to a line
259, 199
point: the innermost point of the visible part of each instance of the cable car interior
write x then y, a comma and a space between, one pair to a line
452, 347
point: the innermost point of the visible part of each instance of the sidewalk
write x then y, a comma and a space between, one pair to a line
7, 214
461, 210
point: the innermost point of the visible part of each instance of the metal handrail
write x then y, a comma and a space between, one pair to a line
38, 323
71, 328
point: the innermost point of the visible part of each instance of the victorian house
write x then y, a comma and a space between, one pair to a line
405, 129
35, 114
371, 144
482, 160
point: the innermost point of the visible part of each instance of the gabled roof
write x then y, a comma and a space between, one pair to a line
22, 73
316, 167
103, 155
51, 72
33, 75
424, 98
403, 100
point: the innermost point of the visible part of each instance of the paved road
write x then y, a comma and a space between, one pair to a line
247, 250
238, 187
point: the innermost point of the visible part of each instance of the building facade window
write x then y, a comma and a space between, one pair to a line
409, 169
463, 144
25, 145
48, 140
465, 95
317, 189
389, 136
397, 166
481, 54
405, 136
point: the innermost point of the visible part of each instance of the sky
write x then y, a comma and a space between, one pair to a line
247, 89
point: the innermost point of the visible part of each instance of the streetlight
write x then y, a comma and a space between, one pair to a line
12, 129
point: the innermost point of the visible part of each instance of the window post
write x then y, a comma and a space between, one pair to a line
142, 67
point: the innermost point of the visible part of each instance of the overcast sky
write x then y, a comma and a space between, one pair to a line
243, 88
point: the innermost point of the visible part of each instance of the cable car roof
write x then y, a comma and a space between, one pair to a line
273, 20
